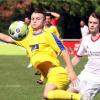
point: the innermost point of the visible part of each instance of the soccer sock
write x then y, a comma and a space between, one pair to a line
42, 78
63, 95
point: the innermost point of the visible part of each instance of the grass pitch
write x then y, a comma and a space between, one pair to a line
17, 82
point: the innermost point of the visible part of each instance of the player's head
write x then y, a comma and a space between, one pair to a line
82, 23
37, 19
27, 20
94, 23
48, 19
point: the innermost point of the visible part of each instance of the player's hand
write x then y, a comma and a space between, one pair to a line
73, 78
75, 83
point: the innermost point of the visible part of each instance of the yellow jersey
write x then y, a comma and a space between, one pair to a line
42, 47
52, 29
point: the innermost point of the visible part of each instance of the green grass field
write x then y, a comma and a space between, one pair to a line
17, 82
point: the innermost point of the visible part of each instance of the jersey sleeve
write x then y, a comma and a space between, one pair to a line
54, 42
55, 30
18, 43
81, 50
30, 29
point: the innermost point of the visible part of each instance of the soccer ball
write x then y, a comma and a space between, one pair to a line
18, 30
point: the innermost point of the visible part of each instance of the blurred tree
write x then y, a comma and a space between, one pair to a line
73, 7
71, 11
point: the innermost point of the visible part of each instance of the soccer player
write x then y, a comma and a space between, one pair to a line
89, 78
84, 28
51, 28
54, 17
43, 49
48, 26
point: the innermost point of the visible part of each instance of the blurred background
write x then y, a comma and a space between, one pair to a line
71, 11
16, 81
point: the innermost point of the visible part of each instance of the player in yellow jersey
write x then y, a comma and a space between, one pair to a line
50, 28
48, 25
43, 49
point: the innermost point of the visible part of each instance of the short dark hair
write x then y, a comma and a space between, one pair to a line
48, 14
96, 15
37, 10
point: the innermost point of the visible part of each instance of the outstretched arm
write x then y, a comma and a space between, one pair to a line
75, 60
58, 47
6, 38
69, 67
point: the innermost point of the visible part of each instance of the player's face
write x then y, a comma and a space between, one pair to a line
48, 20
93, 25
37, 20
81, 23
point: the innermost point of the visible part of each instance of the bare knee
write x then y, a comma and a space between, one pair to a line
45, 98
45, 95
85, 96
47, 89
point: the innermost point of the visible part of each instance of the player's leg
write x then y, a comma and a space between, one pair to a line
29, 65
90, 91
81, 84
88, 86
40, 81
37, 72
57, 84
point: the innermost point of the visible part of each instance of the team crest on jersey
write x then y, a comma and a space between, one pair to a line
34, 47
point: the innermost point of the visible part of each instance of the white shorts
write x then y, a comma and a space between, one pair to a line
89, 84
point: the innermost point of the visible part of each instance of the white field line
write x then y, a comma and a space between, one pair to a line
18, 49
11, 86
8, 44
15, 86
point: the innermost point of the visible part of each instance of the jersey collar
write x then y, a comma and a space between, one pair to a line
95, 39
35, 33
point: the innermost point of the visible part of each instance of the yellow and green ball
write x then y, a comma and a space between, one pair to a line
18, 30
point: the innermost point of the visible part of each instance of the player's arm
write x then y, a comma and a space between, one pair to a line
54, 42
57, 45
55, 30
69, 67
55, 14
81, 51
6, 38
75, 60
